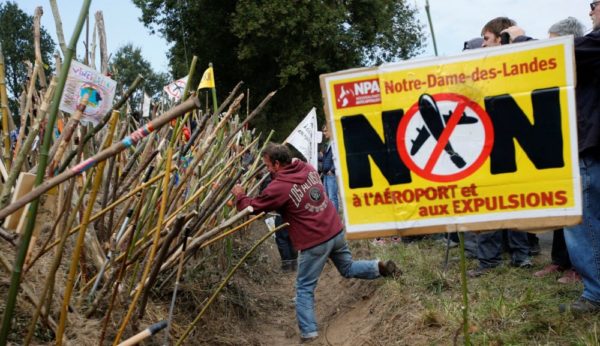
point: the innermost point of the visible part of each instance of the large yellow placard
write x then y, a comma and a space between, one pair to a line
479, 141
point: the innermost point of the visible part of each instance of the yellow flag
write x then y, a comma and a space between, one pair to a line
208, 79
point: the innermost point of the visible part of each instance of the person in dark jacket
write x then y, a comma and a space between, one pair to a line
583, 240
560, 255
315, 229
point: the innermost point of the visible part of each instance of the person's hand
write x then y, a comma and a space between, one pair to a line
514, 32
237, 190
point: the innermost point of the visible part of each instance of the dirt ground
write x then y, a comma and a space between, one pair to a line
345, 308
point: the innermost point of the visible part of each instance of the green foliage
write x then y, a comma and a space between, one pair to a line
16, 35
127, 64
282, 45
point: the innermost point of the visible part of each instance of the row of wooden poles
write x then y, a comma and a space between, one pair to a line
130, 216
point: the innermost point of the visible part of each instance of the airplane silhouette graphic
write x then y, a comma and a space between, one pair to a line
435, 123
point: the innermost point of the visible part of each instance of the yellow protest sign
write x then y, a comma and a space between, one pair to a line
483, 140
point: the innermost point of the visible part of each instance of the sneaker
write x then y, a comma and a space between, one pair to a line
570, 276
523, 264
580, 306
549, 269
308, 340
388, 268
479, 271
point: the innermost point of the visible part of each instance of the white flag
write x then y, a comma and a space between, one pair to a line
146, 106
175, 89
304, 138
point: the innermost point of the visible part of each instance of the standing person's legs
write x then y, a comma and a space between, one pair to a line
519, 246
342, 258
331, 189
560, 254
310, 265
583, 240
284, 246
489, 249
489, 252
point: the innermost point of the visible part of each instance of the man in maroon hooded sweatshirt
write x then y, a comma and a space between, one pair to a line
296, 192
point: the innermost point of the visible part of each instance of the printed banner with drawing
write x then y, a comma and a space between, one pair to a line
83, 80
483, 140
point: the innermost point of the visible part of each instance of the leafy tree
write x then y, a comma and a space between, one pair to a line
16, 35
283, 45
127, 63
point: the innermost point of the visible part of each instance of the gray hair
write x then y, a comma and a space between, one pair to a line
567, 26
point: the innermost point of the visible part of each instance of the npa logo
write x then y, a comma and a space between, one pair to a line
358, 93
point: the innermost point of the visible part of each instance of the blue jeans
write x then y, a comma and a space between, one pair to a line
284, 244
583, 240
310, 265
331, 189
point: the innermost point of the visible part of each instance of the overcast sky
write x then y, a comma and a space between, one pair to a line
454, 21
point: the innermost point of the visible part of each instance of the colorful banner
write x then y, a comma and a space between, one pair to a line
83, 80
483, 140
175, 89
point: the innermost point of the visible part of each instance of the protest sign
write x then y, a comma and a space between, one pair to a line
479, 141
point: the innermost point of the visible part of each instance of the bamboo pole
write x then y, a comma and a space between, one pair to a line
26, 237
37, 17
102, 155
21, 157
59, 147
102, 37
109, 207
118, 273
79, 244
160, 257
207, 143
136, 339
5, 112
59, 27
26, 111
225, 281
48, 290
161, 216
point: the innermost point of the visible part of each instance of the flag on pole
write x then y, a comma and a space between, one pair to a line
146, 106
305, 138
175, 90
208, 79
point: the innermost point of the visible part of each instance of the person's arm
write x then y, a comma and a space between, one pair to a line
517, 34
268, 200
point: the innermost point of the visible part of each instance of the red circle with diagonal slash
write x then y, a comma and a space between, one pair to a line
462, 103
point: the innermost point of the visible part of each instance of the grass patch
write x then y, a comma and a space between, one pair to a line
507, 306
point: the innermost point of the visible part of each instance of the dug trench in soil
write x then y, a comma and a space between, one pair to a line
346, 309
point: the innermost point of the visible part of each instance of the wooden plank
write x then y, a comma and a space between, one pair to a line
24, 185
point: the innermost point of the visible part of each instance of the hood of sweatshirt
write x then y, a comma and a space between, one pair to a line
295, 173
